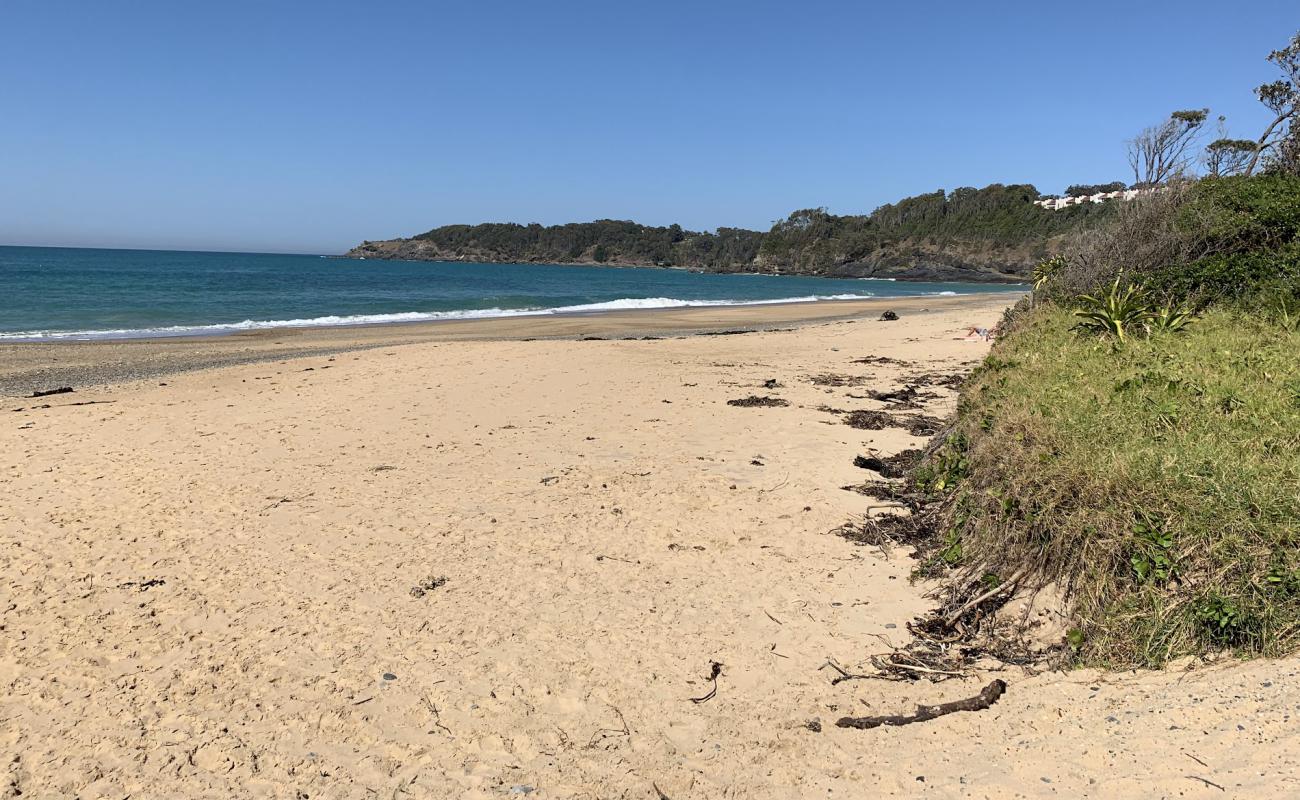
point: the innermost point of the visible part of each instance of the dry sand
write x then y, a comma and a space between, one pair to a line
207, 589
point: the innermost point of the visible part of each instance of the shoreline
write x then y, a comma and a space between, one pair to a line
218, 329
989, 278
30, 366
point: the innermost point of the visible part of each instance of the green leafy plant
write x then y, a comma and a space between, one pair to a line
1047, 269
1116, 312
950, 554
945, 468
1170, 318
1153, 560
1221, 616
1283, 579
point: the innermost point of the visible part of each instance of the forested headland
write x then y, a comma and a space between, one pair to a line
993, 233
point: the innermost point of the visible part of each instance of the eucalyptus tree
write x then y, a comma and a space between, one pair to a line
1166, 150
1282, 98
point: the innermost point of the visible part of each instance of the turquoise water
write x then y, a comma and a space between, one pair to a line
66, 293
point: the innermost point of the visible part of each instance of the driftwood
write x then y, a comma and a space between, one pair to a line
979, 702
48, 392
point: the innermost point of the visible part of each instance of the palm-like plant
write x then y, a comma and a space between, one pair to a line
1290, 321
1115, 312
1046, 270
1170, 318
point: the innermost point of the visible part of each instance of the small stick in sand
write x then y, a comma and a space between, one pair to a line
844, 675
987, 697
1207, 782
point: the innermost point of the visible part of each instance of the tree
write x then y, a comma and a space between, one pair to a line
1224, 157
1285, 158
1089, 189
1281, 97
1163, 151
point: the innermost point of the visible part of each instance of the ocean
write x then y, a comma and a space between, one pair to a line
51, 294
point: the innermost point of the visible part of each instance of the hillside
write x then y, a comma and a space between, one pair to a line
994, 233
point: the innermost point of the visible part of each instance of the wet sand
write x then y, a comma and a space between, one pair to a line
29, 367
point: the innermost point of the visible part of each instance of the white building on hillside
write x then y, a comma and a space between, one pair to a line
1057, 203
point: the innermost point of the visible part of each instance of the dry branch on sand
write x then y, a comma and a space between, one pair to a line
987, 697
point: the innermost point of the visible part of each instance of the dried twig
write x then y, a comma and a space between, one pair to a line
957, 613
437, 715
987, 697
888, 664
844, 675
1207, 782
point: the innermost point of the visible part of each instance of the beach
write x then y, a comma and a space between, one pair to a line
499, 558
25, 368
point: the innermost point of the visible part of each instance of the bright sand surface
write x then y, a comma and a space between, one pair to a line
207, 588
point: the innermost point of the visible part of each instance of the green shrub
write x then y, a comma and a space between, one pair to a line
1158, 483
1244, 278
1216, 240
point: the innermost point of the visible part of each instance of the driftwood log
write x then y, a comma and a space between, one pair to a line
979, 702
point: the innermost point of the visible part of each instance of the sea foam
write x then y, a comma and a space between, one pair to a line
625, 304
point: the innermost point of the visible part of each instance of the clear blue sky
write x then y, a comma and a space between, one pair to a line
309, 126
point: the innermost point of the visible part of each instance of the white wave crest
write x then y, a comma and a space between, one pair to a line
334, 321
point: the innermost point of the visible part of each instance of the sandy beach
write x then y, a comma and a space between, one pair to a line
498, 559
25, 368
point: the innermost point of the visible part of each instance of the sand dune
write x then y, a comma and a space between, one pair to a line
208, 589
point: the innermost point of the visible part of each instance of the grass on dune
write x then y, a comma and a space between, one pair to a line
1158, 482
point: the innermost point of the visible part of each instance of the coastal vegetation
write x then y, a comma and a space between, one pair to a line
1133, 439
993, 233
1157, 483
603, 241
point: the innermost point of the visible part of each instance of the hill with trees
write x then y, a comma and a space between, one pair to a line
606, 241
994, 233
